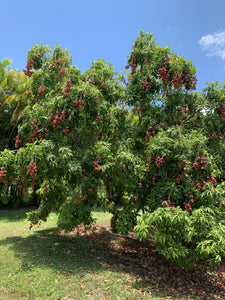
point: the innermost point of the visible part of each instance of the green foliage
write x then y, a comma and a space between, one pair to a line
74, 213
183, 237
13, 99
152, 145
213, 106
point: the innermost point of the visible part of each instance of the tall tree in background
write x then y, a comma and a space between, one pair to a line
13, 99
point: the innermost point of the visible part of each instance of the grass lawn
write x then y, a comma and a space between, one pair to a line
42, 263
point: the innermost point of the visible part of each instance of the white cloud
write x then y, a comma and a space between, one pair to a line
213, 44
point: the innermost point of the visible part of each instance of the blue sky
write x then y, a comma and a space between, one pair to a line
107, 29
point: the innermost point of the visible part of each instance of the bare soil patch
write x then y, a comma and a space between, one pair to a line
150, 268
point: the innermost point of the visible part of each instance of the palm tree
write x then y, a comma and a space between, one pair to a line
13, 100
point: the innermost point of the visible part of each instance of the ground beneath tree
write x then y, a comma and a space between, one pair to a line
151, 270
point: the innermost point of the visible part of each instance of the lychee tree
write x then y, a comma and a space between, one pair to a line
180, 178
74, 137
88, 139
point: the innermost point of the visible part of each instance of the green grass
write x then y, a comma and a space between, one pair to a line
103, 218
43, 264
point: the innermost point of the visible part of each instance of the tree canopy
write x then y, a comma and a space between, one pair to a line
142, 138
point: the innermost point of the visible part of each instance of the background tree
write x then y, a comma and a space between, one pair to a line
13, 88
213, 109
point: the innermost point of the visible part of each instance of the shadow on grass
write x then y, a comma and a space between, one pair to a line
12, 215
68, 254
